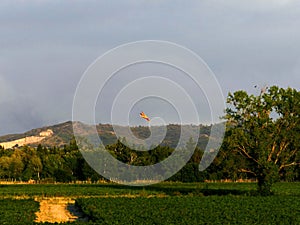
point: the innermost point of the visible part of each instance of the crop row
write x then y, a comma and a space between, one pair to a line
193, 210
169, 210
17, 211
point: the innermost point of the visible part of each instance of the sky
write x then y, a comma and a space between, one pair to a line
47, 45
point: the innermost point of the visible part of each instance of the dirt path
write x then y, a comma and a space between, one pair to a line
56, 210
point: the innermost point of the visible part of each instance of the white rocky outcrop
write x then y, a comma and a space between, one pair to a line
47, 133
27, 140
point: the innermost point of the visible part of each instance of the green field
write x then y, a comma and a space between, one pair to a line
166, 203
17, 211
193, 210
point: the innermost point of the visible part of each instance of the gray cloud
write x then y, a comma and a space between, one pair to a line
47, 45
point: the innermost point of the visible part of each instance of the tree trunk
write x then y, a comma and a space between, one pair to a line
264, 187
267, 175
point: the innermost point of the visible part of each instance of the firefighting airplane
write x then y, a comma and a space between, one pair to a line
144, 116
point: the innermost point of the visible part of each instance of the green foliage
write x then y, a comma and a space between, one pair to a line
264, 129
66, 164
139, 158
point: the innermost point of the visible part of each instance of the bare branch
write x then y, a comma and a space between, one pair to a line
247, 154
247, 171
289, 156
283, 145
290, 164
272, 151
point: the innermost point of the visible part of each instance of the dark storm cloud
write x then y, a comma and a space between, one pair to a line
47, 45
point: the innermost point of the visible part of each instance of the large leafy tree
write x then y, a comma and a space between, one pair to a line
265, 129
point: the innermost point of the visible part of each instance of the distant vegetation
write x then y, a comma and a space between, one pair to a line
63, 134
262, 143
66, 164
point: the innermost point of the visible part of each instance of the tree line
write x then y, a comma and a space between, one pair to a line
66, 164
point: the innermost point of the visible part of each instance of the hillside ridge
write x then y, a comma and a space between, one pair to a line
61, 134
